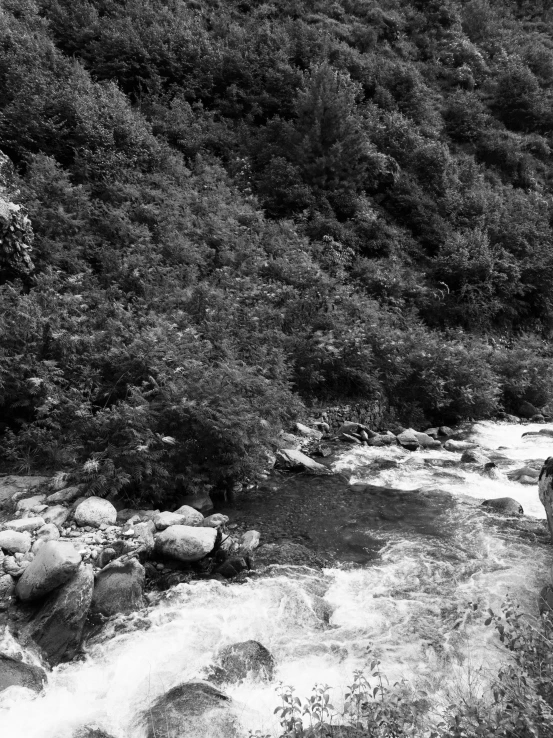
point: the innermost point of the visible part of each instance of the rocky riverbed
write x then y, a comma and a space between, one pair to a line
378, 545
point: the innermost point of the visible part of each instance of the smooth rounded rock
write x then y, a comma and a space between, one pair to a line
459, 446
408, 439
95, 511
185, 543
12, 541
242, 660
505, 505
190, 515
195, 709
55, 563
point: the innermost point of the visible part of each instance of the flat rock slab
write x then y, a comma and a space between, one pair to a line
292, 459
25, 524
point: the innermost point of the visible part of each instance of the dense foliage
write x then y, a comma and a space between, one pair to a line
241, 207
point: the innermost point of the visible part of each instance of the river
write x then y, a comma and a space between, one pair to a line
404, 565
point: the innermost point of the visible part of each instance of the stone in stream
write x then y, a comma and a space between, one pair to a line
195, 709
234, 566
427, 441
526, 475
505, 505
185, 543
57, 629
14, 673
250, 541
472, 456
408, 439
95, 511
350, 438
119, 588
55, 563
242, 660
292, 459
459, 446
12, 541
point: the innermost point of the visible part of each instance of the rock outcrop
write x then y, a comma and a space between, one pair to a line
119, 588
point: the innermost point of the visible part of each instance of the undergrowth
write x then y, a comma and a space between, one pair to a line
518, 702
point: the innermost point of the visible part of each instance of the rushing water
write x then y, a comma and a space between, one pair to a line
406, 563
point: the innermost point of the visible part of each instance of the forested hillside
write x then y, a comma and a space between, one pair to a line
242, 208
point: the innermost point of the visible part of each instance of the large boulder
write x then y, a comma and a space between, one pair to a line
195, 709
296, 460
95, 511
408, 439
525, 475
185, 542
119, 588
54, 564
242, 660
12, 541
505, 505
545, 487
57, 628
14, 673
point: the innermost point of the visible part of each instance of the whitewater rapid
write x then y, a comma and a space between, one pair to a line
406, 607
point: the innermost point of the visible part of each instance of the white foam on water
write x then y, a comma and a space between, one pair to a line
407, 608
415, 470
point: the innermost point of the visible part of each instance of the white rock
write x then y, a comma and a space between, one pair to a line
54, 564
25, 524
190, 514
215, 521
95, 511
14, 542
29, 502
250, 541
451, 445
185, 542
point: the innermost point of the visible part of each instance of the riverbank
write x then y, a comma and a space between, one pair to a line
406, 545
